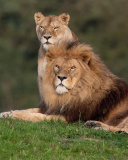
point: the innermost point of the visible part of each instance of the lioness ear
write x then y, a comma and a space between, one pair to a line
86, 56
38, 17
64, 17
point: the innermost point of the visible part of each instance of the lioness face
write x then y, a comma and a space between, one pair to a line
52, 29
66, 73
51, 33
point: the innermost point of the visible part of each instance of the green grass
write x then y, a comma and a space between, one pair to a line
59, 141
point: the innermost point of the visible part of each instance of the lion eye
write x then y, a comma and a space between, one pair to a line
73, 67
55, 28
57, 66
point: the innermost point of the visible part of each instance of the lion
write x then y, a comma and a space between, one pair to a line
77, 85
50, 30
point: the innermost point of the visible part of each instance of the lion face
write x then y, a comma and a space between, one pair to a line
52, 29
66, 74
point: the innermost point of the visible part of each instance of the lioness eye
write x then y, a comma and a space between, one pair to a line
57, 66
41, 27
73, 67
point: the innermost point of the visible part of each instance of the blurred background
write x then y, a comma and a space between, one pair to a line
103, 24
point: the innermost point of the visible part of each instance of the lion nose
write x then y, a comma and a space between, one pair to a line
62, 78
47, 37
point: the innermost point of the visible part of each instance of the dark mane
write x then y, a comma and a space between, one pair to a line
117, 94
72, 44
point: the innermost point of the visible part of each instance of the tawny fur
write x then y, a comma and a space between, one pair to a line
93, 94
54, 27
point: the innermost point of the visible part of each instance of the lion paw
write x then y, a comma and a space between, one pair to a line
5, 114
93, 124
121, 132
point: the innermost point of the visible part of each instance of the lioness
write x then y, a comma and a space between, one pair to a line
77, 85
50, 30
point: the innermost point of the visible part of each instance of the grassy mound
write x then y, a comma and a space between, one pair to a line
59, 141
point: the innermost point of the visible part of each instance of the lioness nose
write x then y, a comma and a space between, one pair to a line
62, 78
47, 37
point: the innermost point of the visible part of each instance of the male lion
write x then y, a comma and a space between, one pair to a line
77, 85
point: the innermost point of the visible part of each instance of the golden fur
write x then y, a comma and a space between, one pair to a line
77, 85
51, 30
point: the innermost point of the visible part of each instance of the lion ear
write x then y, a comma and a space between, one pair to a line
38, 17
86, 56
64, 17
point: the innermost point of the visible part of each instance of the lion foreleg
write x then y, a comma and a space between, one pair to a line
30, 115
100, 125
26, 115
31, 110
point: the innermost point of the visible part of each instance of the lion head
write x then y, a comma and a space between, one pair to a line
69, 73
52, 29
